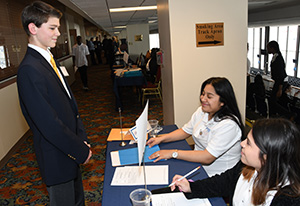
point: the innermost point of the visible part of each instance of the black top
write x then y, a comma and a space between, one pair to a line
223, 185
278, 69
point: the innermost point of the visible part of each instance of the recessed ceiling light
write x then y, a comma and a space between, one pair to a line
119, 27
138, 8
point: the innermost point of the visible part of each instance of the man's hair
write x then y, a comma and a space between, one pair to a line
38, 13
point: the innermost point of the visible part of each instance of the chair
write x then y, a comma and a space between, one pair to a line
153, 88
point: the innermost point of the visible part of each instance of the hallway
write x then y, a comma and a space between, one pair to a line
20, 180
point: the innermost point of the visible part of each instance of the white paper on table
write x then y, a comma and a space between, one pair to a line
118, 72
133, 131
134, 175
177, 199
141, 127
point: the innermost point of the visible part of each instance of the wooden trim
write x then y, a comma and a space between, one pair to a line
13, 79
64, 58
13, 150
8, 82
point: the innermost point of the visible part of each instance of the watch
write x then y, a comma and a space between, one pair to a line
175, 154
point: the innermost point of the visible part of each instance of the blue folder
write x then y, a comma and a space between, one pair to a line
130, 156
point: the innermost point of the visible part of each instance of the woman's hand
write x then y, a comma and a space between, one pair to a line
154, 141
183, 185
161, 154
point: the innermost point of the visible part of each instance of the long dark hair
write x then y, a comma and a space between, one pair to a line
275, 46
279, 144
230, 108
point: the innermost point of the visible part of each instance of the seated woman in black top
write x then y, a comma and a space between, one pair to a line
152, 66
256, 96
268, 173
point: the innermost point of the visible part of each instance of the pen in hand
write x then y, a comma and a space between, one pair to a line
194, 170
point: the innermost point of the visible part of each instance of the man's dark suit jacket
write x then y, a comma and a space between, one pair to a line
53, 117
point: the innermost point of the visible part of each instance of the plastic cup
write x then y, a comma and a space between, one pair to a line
140, 197
153, 123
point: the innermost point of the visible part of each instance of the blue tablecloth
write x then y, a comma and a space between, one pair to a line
119, 195
137, 81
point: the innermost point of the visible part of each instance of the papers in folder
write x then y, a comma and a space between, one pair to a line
130, 156
134, 175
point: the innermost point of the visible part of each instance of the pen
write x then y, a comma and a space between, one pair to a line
194, 170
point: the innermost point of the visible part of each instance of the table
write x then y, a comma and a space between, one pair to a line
119, 195
137, 81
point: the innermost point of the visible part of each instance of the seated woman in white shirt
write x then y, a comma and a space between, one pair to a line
216, 128
268, 173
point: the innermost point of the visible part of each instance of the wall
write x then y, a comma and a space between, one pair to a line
135, 48
12, 123
187, 66
166, 72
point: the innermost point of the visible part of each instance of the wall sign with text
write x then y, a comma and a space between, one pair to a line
210, 34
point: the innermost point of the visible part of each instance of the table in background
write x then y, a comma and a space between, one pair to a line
137, 81
119, 195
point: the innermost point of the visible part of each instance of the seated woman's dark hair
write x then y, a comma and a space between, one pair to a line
230, 108
279, 144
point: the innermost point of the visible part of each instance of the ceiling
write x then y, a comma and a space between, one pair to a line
97, 11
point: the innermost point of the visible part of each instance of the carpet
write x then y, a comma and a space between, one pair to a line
20, 180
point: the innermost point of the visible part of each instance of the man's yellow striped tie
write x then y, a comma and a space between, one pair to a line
54, 66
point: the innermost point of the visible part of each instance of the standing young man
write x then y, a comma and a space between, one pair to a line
50, 109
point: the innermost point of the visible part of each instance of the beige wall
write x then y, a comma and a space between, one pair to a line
187, 66
135, 48
12, 123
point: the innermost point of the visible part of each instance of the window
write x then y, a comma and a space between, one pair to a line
250, 43
154, 41
287, 38
256, 43
291, 50
4, 60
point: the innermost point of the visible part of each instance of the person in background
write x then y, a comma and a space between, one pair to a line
256, 96
152, 66
98, 50
50, 109
80, 52
216, 128
268, 174
278, 74
123, 46
105, 48
116, 44
91, 47
110, 53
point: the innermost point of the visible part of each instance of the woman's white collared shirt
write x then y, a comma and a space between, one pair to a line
243, 192
221, 139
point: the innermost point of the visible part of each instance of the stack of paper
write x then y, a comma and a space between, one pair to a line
134, 175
